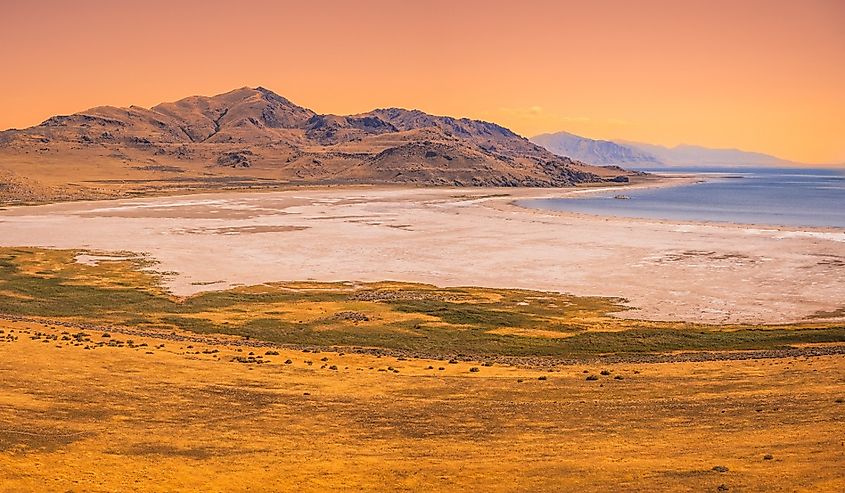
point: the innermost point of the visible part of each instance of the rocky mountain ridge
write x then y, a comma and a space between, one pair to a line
260, 137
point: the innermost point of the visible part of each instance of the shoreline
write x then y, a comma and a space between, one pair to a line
666, 182
292, 187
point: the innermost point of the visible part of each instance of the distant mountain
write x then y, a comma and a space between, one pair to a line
599, 152
254, 137
638, 154
690, 155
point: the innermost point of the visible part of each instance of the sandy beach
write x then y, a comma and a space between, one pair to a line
667, 270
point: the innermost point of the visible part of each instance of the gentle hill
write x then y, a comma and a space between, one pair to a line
254, 137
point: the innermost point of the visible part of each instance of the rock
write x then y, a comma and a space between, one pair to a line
237, 159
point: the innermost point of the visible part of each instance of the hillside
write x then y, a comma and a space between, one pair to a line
256, 138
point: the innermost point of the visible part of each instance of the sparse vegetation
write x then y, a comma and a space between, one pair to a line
421, 319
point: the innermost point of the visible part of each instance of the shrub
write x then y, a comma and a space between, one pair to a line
474, 369
592, 377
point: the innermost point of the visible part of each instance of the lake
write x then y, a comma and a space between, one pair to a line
771, 196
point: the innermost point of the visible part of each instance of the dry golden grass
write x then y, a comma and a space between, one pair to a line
185, 419
176, 406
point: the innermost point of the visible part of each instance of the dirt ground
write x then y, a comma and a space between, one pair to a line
134, 416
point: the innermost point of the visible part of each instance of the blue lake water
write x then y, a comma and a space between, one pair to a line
776, 196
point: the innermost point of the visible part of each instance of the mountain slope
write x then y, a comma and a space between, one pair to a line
254, 137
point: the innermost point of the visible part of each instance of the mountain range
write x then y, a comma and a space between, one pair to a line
252, 137
638, 154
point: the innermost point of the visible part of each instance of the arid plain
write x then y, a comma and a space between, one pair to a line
408, 339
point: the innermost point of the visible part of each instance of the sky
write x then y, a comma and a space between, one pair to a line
765, 76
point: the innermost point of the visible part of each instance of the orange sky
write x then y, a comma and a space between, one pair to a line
759, 75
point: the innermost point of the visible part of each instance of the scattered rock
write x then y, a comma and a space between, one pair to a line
237, 159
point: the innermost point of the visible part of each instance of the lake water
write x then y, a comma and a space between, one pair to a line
776, 196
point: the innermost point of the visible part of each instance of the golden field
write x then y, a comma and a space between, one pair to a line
109, 383
182, 417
